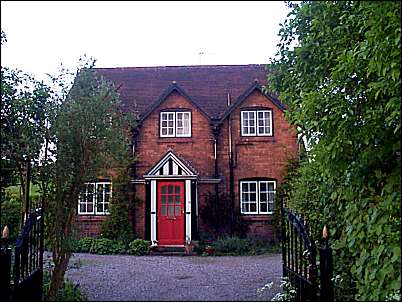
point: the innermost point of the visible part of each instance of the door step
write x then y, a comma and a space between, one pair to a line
168, 251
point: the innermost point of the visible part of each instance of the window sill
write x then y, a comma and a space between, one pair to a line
256, 217
92, 217
176, 140
249, 140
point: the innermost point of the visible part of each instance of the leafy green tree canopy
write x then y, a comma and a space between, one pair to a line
338, 71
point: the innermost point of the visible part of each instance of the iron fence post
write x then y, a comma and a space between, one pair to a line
5, 273
326, 271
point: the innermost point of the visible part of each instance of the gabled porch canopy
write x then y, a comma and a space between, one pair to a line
171, 166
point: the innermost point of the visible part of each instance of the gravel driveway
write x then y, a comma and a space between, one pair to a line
104, 277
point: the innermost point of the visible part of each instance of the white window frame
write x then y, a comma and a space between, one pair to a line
175, 118
258, 193
95, 198
256, 121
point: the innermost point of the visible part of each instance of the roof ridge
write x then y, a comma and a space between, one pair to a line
183, 66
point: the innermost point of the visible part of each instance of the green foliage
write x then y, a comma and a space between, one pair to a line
338, 70
91, 137
118, 226
67, 292
102, 246
84, 245
138, 247
10, 216
231, 246
220, 215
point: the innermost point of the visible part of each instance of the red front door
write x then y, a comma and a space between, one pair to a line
170, 213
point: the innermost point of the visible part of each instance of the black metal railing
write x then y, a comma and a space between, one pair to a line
28, 260
299, 257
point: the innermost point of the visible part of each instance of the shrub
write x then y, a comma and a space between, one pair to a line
218, 213
118, 226
103, 246
138, 247
84, 245
232, 246
10, 216
67, 292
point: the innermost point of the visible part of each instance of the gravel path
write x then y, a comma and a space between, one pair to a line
104, 277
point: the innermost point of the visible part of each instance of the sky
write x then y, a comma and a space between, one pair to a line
41, 35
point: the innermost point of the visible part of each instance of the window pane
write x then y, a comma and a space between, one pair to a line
253, 186
83, 208
178, 211
170, 189
171, 210
107, 188
170, 199
90, 188
263, 197
164, 131
170, 131
263, 207
245, 197
271, 196
253, 207
106, 207
170, 123
163, 189
245, 207
177, 189
271, 186
263, 186
164, 123
163, 201
253, 197
99, 207
163, 210
90, 207
177, 199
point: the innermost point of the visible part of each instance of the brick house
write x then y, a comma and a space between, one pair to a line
200, 129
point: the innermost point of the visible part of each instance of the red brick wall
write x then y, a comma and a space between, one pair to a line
90, 225
198, 150
256, 156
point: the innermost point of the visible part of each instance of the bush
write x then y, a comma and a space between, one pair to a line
232, 246
10, 216
84, 245
118, 226
67, 292
103, 246
138, 247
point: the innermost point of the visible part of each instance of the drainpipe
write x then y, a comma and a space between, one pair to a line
231, 174
216, 131
133, 175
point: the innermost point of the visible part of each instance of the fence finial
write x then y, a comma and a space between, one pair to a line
6, 232
324, 232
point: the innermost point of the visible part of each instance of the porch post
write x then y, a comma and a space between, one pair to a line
153, 210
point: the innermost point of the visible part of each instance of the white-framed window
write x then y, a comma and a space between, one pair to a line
256, 122
175, 124
95, 197
257, 197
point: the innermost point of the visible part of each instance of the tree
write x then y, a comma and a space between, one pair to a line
338, 71
91, 136
26, 106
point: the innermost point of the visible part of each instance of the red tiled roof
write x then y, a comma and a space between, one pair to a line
207, 85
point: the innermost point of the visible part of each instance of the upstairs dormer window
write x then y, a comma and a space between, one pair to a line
256, 122
175, 124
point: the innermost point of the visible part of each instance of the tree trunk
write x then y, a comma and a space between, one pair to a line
57, 278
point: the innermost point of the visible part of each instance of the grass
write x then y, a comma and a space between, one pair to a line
14, 191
